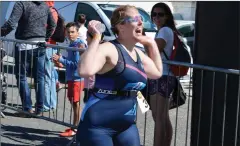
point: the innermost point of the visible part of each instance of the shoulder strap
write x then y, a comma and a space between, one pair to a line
118, 47
120, 60
175, 43
165, 54
138, 57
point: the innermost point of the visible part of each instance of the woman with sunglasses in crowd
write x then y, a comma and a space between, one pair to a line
161, 88
121, 70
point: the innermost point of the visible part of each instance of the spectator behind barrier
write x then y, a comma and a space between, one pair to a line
109, 115
31, 26
75, 82
82, 30
50, 101
161, 88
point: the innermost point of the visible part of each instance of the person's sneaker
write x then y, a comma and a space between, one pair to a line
68, 133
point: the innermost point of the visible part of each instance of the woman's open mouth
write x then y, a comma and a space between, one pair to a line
138, 31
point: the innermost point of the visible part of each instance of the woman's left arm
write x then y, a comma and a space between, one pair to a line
153, 63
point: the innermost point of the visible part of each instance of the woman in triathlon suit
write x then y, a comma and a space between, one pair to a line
121, 70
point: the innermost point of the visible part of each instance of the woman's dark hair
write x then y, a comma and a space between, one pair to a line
81, 18
170, 20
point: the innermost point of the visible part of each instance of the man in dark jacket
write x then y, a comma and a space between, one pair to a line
35, 24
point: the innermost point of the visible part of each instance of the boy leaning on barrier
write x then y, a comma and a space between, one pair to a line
75, 82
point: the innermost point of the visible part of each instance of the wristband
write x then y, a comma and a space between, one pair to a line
97, 36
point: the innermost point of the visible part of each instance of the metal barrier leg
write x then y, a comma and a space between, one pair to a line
2, 115
73, 142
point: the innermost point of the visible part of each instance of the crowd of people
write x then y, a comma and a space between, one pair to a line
109, 72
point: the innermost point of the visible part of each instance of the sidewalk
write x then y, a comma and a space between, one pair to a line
30, 131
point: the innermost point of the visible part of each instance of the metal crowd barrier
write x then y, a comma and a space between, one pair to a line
180, 117
13, 97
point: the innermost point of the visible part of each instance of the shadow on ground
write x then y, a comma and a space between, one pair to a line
32, 136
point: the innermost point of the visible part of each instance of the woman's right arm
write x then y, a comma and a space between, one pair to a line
95, 57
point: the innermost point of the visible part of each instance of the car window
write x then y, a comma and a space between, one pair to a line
177, 16
187, 30
147, 23
90, 13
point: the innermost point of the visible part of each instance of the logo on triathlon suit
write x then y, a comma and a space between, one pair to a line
106, 91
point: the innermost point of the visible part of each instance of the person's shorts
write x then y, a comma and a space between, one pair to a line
164, 85
75, 89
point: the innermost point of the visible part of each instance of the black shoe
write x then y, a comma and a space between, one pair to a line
39, 113
24, 115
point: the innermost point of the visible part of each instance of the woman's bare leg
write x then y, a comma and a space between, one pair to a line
160, 113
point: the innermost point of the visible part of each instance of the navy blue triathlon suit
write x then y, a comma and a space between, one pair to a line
109, 120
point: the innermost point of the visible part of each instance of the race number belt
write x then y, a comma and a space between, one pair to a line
114, 92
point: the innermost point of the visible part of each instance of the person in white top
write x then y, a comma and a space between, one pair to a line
82, 29
161, 88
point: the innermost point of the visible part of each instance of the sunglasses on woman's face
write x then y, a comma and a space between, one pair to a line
132, 19
160, 14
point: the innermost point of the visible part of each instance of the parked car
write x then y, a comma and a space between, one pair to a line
101, 11
177, 16
187, 29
